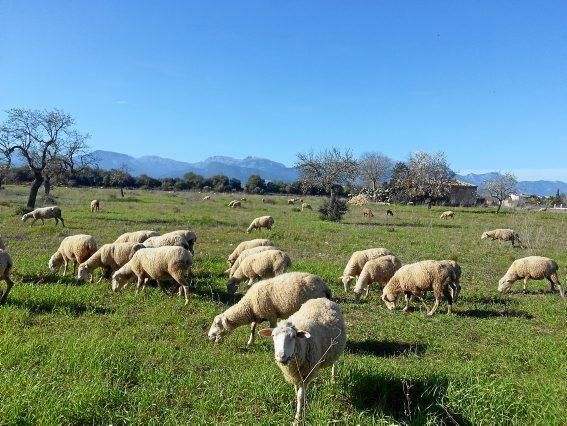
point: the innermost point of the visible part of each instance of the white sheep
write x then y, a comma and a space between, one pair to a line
75, 248
171, 239
234, 204
190, 236
95, 205
531, 267
269, 300
206, 197
416, 278
357, 261
109, 257
160, 263
230, 271
136, 236
5, 269
291, 201
311, 339
378, 270
261, 222
448, 214
266, 264
502, 234
306, 206
53, 212
245, 245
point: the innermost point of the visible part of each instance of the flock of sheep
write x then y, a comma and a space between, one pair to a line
311, 332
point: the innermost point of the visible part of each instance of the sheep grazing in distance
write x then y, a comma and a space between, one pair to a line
269, 300
366, 212
389, 212
448, 214
5, 269
356, 262
261, 222
230, 271
109, 257
53, 212
312, 338
416, 278
95, 206
206, 197
542, 209
190, 236
245, 245
531, 267
379, 271
160, 263
76, 249
502, 234
306, 206
266, 264
243, 199
234, 204
291, 201
263, 200
170, 239
136, 236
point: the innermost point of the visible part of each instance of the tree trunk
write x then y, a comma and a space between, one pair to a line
122, 191
499, 205
47, 185
333, 196
36, 184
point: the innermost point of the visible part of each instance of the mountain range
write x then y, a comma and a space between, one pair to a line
159, 167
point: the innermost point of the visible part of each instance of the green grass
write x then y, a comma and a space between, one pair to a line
77, 353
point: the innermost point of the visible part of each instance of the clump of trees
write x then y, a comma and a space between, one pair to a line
500, 187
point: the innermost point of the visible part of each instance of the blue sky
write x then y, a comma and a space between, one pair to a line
483, 81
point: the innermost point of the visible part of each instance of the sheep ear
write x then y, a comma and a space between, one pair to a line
265, 332
341, 278
303, 334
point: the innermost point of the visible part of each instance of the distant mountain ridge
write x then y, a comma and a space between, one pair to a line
537, 187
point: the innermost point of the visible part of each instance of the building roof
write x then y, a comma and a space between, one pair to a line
456, 182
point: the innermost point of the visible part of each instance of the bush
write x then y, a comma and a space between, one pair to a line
21, 211
333, 210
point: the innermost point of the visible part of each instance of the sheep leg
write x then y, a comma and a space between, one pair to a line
140, 284
42, 221
448, 293
180, 279
407, 298
252, 333
300, 393
333, 373
367, 291
4, 295
33, 221
250, 281
555, 284
421, 299
64, 266
62, 223
525, 282
436, 304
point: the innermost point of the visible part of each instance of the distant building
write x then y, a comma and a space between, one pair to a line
462, 193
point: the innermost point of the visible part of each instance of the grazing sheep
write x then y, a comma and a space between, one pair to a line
366, 212
234, 204
389, 212
136, 236
245, 245
171, 239
531, 267
243, 199
455, 288
291, 201
76, 249
5, 269
189, 236
542, 209
306, 206
95, 206
53, 212
230, 271
261, 222
378, 270
357, 261
160, 263
502, 234
312, 338
448, 214
266, 264
206, 197
109, 257
263, 200
269, 300
416, 278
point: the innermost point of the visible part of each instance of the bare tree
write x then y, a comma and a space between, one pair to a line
429, 176
41, 138
500, 187
373, 169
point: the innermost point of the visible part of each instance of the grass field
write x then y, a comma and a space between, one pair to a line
79, 354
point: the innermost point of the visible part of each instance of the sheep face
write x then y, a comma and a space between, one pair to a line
55, 262
26, 217
504, 284
219, 329
346, 279
285, 338
484, 236
390, 304
231, 286
119, 281
83, 273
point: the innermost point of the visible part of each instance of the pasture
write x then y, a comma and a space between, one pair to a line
74, 353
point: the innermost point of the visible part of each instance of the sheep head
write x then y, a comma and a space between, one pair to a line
285, 337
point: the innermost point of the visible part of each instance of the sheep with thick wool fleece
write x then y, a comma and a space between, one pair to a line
305, 206
261, 222
502, 234
109, 257
357, 261
311, 339
531, 267
95, 205
136, 236
75, 248
190, 236
230, 271
171, 239
5, 269
416, 278
53, 212
160, 264
269, 300
266, 264
378, 270
448, 214
245, 245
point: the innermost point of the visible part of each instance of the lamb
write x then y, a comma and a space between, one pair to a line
245, 245
53, 212
189, 236
269, 300
136, 236
5, 269
261, 222
160, 263
366, 212
230, 271
312, 338
206, 197
502, 234
448, 214
416, 278
266, 264
76, 249
378, 270
95, 206
110, 257
306, 206
234, 204
357, 261
531, 267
